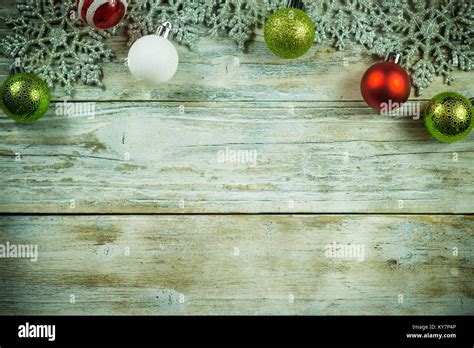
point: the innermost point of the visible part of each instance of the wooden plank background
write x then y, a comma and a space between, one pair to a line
238, 265
148, 157
134, 213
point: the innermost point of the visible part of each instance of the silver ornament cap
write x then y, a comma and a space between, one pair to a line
164, 30
393, 57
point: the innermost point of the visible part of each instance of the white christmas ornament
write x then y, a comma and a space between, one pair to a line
153, 58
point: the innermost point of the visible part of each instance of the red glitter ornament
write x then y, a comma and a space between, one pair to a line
102, 14
386, 85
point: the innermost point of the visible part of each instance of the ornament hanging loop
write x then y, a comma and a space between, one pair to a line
16, 67
164, 30
393, 57
296, 4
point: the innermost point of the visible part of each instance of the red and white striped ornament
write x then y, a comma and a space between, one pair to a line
102, 14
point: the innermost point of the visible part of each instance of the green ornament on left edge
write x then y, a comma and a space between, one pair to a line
24, 97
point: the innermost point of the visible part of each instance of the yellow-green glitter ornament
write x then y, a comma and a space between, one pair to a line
289, 33
449, 117
24, 97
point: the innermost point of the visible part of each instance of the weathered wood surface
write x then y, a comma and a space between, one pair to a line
208, 73
238, 264
319, 149
326, 157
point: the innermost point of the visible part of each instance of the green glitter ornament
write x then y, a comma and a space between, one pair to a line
24, 97
449, 117
289, 33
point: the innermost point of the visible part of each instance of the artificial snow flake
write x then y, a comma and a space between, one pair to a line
433, 36
337, 21
237, 18
185, 17
50, 41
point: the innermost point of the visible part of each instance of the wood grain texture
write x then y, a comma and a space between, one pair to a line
326, 157
276, 257
319, 150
